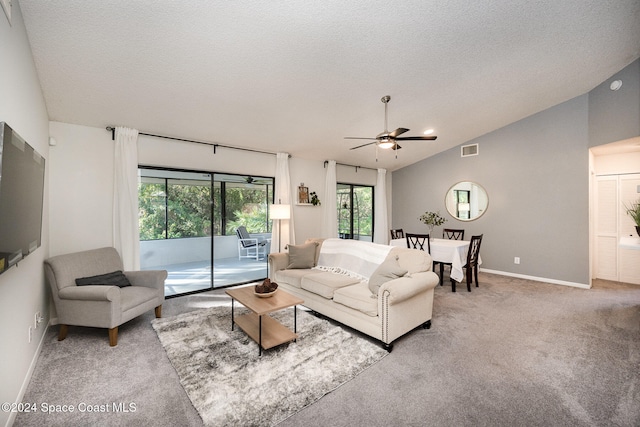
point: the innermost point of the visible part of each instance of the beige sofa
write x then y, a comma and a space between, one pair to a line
401, 303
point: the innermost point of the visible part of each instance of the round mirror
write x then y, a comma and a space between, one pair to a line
466, 201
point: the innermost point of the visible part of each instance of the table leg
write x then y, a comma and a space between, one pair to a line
232, 321
295, 321
260, 336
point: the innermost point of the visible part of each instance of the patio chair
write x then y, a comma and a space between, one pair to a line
250, 247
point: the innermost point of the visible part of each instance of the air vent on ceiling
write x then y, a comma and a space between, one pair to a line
469, 150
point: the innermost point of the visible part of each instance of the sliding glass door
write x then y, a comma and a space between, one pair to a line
188, 222
355, 212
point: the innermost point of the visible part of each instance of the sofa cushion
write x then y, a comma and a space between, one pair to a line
302, 256
293, 277
115, 278
357, 297
325, 283
388, 270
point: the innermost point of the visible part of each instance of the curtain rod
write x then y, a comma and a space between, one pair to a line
214, 145
350, 166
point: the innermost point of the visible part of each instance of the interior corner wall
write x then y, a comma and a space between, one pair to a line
536, 173
22, 288
614, 115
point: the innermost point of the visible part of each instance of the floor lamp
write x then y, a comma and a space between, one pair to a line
280, 212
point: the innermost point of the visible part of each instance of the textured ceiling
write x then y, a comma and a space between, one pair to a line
298, 76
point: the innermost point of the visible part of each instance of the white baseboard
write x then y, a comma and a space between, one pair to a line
537, 279
27, 378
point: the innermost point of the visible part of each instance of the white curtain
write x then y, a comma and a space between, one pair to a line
330, 205
282, 195
126, 238
381, 227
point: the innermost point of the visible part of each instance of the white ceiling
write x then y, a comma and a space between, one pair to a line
298, 76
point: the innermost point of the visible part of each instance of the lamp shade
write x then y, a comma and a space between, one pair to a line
280, 211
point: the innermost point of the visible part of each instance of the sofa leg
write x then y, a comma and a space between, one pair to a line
159, 311
62, 333
427, 324
113, 336
387, 347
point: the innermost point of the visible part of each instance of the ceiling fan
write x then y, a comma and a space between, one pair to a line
387, 139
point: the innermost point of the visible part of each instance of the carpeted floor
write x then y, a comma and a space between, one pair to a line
229, 383
512, 352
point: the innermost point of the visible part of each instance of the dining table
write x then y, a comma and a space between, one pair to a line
452, 252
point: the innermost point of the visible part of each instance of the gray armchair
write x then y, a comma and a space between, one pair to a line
98, 305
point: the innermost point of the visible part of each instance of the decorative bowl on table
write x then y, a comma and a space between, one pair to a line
266, 289
265, 294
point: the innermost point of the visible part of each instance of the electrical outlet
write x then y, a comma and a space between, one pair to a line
38, 319
516, 260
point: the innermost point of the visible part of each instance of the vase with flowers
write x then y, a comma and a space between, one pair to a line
634, 212
431, 220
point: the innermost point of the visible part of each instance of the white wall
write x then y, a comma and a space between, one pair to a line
81, 188
22, 288
81, 177
617, 164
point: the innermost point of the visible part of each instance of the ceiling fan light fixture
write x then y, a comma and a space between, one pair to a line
386, 144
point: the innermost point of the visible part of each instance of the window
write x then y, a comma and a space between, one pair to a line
173, 207
355, 212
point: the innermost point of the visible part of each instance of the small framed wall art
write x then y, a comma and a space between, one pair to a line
303, 194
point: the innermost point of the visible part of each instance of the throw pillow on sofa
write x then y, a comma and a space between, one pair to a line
388, 270
116, 278
302, 256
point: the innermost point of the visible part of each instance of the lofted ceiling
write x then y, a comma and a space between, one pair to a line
299, 76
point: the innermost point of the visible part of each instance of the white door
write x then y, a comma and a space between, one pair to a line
613, 192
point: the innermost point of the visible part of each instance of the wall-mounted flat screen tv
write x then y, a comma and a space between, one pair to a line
21, 192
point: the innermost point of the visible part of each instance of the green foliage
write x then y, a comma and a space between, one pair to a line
432, 219
362, 211
634, 211
183, 209
253, 217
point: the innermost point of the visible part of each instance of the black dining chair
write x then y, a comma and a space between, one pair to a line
450, 234
453, 234
471, 267
397, 233
418, 241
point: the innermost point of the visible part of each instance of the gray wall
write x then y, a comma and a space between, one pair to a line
536, 174
615, 115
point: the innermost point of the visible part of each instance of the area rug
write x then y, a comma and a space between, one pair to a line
230, 384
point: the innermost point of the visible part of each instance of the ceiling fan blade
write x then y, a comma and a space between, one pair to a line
396, 146
357, 137
363, 145
417, 138
397, 132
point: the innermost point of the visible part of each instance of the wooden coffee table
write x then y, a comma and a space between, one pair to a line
261, 327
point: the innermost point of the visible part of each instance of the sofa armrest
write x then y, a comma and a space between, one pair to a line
90, 293
147, 278
278, 261
403, 288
